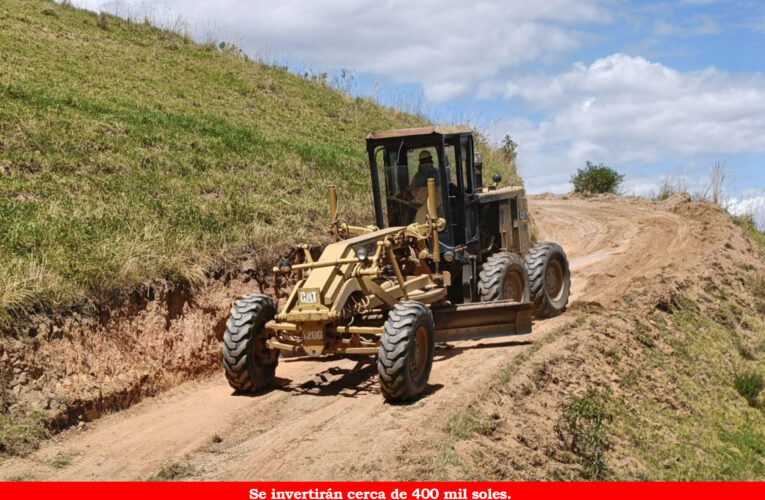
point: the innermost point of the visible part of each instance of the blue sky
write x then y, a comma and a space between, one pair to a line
653, 89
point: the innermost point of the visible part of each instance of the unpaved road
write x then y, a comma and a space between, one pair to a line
326, 419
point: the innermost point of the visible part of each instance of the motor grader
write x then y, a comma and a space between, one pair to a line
447, 259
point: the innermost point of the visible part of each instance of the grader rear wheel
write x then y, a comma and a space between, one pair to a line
550, 279
406, 351
504, 277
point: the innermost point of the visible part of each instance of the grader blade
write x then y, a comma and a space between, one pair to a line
482, 320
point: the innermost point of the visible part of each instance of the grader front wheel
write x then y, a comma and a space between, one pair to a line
406, 351
249, 364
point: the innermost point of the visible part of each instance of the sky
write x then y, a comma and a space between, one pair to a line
656, 90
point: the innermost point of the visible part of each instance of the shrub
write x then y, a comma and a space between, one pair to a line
102, 21
713, 192
60, 459
21, 433
749, 384
173, 472
670, 186
581, 427
508, 150
596, 179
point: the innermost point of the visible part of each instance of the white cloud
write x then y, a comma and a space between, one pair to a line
621, 110
750, 203
448, 46
628, 111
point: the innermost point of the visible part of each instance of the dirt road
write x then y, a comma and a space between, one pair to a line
326, 419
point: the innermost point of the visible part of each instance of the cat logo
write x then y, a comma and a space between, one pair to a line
308, 296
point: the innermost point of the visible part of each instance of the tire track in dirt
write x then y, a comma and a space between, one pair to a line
326, 419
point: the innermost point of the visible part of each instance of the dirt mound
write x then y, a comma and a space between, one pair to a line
544, 196
677, 199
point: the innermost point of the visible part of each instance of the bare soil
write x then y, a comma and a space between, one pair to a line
326, 420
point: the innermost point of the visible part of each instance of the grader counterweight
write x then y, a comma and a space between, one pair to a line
447, 259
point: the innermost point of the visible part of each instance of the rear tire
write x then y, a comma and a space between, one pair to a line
504, 277
550, 279
249, 364
406, 351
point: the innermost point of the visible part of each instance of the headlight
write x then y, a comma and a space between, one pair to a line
361, 254
285, 266
449, 257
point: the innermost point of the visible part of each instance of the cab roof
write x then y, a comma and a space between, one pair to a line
408, 132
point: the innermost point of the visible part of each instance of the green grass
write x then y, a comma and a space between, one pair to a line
130, 154
746, 222
582, 427
470, 422
21, 434
706, 424
61, 459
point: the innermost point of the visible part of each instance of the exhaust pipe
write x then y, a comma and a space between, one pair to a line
332, 203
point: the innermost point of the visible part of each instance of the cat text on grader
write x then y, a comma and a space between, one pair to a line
447, 259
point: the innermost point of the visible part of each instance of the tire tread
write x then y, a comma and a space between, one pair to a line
391, 359
493, 272
536, 261
245, 371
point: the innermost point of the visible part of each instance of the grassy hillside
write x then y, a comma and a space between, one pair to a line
129, 154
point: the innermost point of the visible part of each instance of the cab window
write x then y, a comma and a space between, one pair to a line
407, 171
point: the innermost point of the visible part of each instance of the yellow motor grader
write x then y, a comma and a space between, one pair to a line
447, 259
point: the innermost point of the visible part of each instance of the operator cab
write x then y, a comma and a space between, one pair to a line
403, 160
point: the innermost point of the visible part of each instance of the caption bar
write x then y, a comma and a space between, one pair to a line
397, 493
